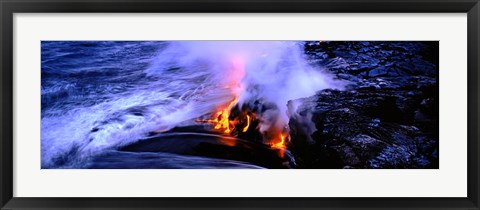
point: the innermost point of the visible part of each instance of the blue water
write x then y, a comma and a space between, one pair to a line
99, 96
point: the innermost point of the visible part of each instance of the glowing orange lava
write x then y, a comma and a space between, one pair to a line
222, 122
248, 124
281, 143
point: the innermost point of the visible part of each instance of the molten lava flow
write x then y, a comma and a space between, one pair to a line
280, 144
248, 124
222, 121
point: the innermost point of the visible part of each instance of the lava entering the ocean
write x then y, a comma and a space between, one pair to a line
230, 120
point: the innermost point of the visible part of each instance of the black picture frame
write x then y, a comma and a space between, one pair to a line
9, 7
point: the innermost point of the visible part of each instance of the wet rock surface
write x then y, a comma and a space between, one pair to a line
387, 115
202, 144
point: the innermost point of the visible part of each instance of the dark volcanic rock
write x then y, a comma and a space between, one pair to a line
376, 59
386, 118
370, 129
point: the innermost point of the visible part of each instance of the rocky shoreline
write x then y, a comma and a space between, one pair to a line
387, 117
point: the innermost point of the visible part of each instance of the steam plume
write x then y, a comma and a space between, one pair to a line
269, 72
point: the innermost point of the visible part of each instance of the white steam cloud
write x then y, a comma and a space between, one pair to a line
272, 72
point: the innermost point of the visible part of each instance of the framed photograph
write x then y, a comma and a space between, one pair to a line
239, 105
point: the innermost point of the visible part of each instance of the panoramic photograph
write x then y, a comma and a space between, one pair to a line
314, 104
